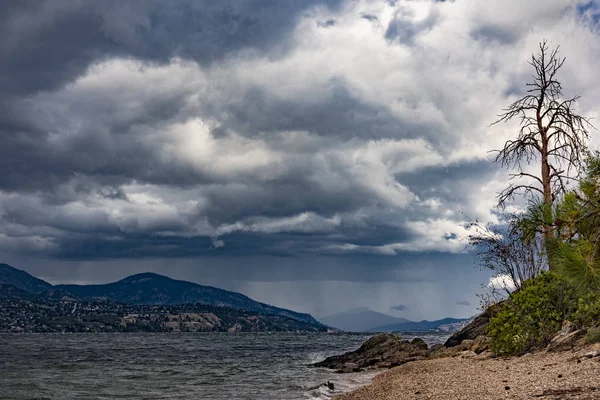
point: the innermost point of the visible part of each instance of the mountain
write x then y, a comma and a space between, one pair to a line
149, 288
417, 326
145, 288
11, 292
22, 280
360, 320
58, 311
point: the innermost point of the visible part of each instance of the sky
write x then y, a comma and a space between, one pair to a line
316, 155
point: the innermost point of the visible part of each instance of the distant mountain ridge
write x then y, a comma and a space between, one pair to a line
417, 326
54, 311
22, 280
147, 288
360, 320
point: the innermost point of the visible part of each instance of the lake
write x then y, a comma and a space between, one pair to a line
176, 366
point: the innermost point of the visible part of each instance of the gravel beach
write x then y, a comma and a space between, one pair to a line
564, 375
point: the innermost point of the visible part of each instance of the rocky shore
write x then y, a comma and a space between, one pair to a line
466, 368
573, 374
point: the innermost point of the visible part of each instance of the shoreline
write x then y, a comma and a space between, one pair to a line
541, 375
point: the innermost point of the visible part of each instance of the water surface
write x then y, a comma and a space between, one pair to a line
174, 366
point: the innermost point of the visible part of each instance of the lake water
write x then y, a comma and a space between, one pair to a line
175, 366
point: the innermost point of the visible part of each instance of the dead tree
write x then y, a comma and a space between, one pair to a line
550, 133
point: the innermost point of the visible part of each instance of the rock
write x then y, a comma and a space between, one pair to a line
476, 328
440, 351
468, 354
465, 345
235, 328
350, 367
420, 343
436, 348
592, 354
562, 342
567, 327
481, 344
485, 355
380, 351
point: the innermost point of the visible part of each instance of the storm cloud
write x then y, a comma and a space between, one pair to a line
324, 145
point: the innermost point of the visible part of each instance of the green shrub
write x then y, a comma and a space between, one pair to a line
592, 335
588, 310
533, 315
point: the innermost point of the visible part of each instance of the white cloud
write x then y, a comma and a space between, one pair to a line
502, 282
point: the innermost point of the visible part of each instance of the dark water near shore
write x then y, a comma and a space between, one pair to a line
174, 366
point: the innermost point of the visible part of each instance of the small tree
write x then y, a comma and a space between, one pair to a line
508, 253
576, 249
550, 133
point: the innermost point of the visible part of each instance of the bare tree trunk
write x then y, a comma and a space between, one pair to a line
546, 182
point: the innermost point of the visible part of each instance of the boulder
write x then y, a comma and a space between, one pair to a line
481, 344
380, 351
562, 341
465, 345
350, 367
467, 354
420, 343
477, 327
440, 351
436, 348
567, 327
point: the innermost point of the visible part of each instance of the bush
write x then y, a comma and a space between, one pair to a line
588, 310
592, 335
533, 315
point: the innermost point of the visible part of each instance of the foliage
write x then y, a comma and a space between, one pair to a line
532, 316
592, 336
588, 310
575, 250
506, 251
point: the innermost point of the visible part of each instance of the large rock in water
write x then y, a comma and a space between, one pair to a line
475, 329
381, 351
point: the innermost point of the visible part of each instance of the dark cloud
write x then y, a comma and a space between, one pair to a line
452, 182
399, 307
500, 34
327, 24
256, 141
338, 113
463, 303
69, 154
403, 29
410, 269
44, 44
371, 18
